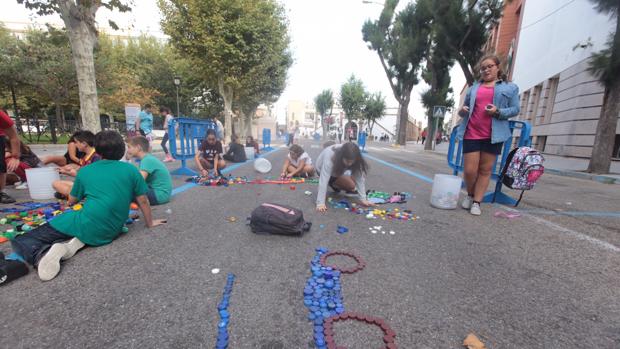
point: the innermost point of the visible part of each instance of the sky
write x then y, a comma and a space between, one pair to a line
326, 43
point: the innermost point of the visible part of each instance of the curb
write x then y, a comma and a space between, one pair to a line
582, 175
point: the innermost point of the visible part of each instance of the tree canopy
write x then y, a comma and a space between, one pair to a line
324, 104
352, 98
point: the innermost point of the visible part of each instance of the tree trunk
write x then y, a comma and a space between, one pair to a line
403, 119
430, 131
242, 120
248, 123
18, 122
227, 94
83, 38
600, 162
372, 125
469, 77
60, 125
324, 133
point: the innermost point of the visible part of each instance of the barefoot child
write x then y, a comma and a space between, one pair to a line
72, 156
155, 173
297, 163
342, 167
107, 188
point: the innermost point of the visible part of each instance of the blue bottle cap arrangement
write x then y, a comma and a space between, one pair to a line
222, 326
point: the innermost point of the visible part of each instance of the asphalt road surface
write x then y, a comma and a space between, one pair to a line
548, 279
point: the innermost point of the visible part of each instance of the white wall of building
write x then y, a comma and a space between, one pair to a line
550, 29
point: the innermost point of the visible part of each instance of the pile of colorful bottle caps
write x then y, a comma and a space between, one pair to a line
373, 213
230, 180
26, 220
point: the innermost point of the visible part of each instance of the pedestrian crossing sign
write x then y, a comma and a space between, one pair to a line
439, 111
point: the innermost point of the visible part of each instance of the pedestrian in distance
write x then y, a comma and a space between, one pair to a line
210, 155
144, 122
168, 118
488, 105
297, 163
342, 168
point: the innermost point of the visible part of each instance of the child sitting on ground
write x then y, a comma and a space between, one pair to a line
84, 141
27, 159
155, 173
297, 164
209, 156
72, 156
107, 188
250, 142
236, 152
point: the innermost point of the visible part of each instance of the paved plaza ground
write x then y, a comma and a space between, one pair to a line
548, 279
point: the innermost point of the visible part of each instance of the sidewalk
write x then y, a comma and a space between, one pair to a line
558, 165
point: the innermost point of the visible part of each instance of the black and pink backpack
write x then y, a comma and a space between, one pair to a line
524, 166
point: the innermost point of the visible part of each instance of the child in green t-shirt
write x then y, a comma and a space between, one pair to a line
155, 173
107, 187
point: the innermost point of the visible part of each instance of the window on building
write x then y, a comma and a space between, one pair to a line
616, 152
525, 98
552, 91
534, 102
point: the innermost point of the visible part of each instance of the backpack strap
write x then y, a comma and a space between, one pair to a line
520, 197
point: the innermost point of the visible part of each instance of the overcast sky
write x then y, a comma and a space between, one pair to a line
326, 42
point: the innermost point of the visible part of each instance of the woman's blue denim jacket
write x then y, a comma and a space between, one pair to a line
505, 98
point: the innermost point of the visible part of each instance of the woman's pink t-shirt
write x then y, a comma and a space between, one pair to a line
479, 125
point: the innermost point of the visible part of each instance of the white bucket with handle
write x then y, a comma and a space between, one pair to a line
445, 193
40, 182
249, 153
262, 165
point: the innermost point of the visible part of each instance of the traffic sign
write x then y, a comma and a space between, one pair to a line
439, 111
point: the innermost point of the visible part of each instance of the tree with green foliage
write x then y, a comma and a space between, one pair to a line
464, 27
353, 98
51, 73
436, 74
606, 66
374, 109
400, 42
225, 39
324, 105
11, 69
79, 19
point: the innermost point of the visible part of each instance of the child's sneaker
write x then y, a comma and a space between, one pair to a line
466, 203
49, 265
72, 246
22, 186
475, 209
5, 198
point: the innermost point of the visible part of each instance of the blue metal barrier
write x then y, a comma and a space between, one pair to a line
190, 133
455, 159
361, 141
267, 139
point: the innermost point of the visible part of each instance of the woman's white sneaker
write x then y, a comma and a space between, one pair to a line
466, 203
475, 209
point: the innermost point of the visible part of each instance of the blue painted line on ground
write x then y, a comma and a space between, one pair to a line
573, 213
399, 168
228, 169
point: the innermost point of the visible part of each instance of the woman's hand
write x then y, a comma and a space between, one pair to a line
367, 203
464, 110
204, 172
12, 164
321, 208
491, 109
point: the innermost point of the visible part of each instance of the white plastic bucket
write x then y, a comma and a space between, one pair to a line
40, 182
262, 165
445, 193
249, 153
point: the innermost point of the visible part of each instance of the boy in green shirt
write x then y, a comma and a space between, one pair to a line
108, 186
155, 173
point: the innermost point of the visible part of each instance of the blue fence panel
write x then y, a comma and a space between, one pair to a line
267, 139
519, 129
361, 141
190, 133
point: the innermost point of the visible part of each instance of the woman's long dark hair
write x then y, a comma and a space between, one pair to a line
349, 151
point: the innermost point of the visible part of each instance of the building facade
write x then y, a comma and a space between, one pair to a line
559, 97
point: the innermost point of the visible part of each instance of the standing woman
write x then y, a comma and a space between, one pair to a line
168, 117
488, 105
341, 167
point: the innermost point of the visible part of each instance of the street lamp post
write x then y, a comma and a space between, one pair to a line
177, 83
